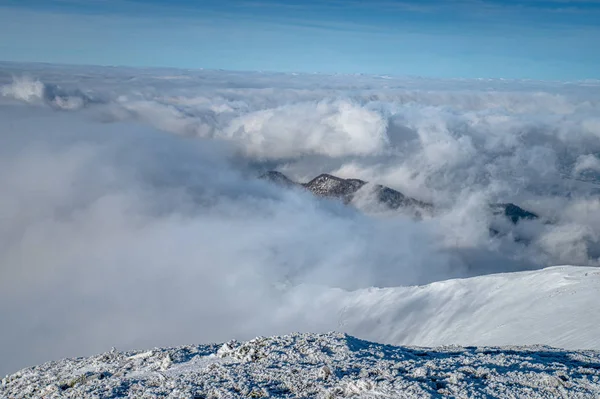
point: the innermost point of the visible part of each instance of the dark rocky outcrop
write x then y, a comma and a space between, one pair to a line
278, 178
513, 212
395, 199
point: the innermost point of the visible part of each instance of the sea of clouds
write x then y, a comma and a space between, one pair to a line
132, 215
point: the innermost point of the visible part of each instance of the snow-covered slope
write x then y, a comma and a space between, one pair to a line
315, 366
557, 306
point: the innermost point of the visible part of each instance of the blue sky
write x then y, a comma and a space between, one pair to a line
534, 39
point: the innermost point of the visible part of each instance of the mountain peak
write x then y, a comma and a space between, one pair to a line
327, 185
278, 178
330, 186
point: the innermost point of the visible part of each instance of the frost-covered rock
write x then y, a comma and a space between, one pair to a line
326, 185
315, 366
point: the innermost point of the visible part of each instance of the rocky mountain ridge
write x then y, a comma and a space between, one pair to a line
330, 186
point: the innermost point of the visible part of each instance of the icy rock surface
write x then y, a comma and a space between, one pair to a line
315, 366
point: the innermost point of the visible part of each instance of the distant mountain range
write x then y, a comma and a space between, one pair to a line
329, 186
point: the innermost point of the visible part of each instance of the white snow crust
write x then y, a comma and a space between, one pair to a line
556, 306
332, 365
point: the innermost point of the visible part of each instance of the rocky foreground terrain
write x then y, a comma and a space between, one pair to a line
315, 366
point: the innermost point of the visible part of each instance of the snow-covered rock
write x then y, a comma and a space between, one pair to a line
331, 365
326, 185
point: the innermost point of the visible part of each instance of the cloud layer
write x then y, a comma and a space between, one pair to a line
132, 215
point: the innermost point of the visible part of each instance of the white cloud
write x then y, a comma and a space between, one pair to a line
587, 162
25, 89
336, 128
35, 92
108, 221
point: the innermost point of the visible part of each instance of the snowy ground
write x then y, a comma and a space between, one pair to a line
555, 306
310, 365
552, 306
